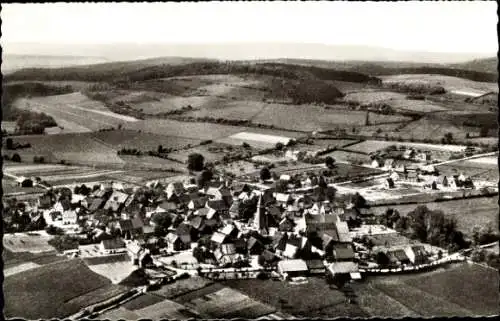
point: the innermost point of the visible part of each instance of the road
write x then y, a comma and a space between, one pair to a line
466, 158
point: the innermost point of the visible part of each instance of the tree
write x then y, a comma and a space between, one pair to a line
265, 174
162, 222
279, 146
330, 162
204, 178
9, 143
53, 230
16, 158
382, 259
448, 137
245, 145
160, 149
195, 162
64, 242
484, 131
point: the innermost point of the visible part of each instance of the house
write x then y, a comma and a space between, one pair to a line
130, 227
198, 202
388, 164
428, 169
423, 157
342, 268
285, 178
174, 188
178, 243
219, 193
283, 198
167, 206
145, 259
134, 250
412, 177
315, 266
96, 204
389, 183
416, 254
286, 225
267, 258
291, 251
319, 223
254, 246
234, 210
44, 202
343, 232
69, 217
220, 206
218, 239
112, 246
398, 257
375, 163
292, 268
230, 230
409, 154
394, 176
343, 252
116, 201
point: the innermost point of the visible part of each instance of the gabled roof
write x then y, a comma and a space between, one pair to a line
113, 244
292, 265
343, 267
315, 264
228, 249
228, 229
219, 205
168, 206
199, 201
183, 228
252, 241
399, 254
197, 222
282, 197
218, 237
343, 252
343, 232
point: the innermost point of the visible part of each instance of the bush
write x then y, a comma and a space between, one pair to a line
16, 158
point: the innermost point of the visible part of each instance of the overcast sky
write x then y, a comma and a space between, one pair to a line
426, 26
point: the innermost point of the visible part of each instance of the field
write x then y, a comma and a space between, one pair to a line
75, 112
256, 140
469, 213
211, 152
449, 83
313, 118
355, 158
201, 131
116, 268
435, 129
79, 148
371, 146
485, 169
458, 290
421, 106
180, 287
237, 110
314, 299
143, 141
62, 300
366, 97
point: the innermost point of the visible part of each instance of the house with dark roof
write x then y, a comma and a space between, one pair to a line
416, 254
315, 266
397, 257
343, 252
286, 225
254, 246
174, 188
111, 246
178, 243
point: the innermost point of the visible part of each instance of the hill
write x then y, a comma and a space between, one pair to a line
13, 62
482, 65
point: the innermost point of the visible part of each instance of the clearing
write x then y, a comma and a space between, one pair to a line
33, 242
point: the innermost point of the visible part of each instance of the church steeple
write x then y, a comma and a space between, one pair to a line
260, 218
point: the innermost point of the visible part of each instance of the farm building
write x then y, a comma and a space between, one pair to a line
416, 254
315, 266
112, 246
292, 268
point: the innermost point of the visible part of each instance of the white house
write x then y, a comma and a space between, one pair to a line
112, 246
69, 217
394, 176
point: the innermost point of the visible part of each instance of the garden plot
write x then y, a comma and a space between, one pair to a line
33, 242
370, 146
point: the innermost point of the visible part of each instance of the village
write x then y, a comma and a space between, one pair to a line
264, 226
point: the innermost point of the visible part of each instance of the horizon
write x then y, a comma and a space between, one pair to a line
450, 28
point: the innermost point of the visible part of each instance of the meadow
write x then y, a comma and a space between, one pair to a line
449, 291
62, 300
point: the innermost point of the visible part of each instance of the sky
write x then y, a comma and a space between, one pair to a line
440, 26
